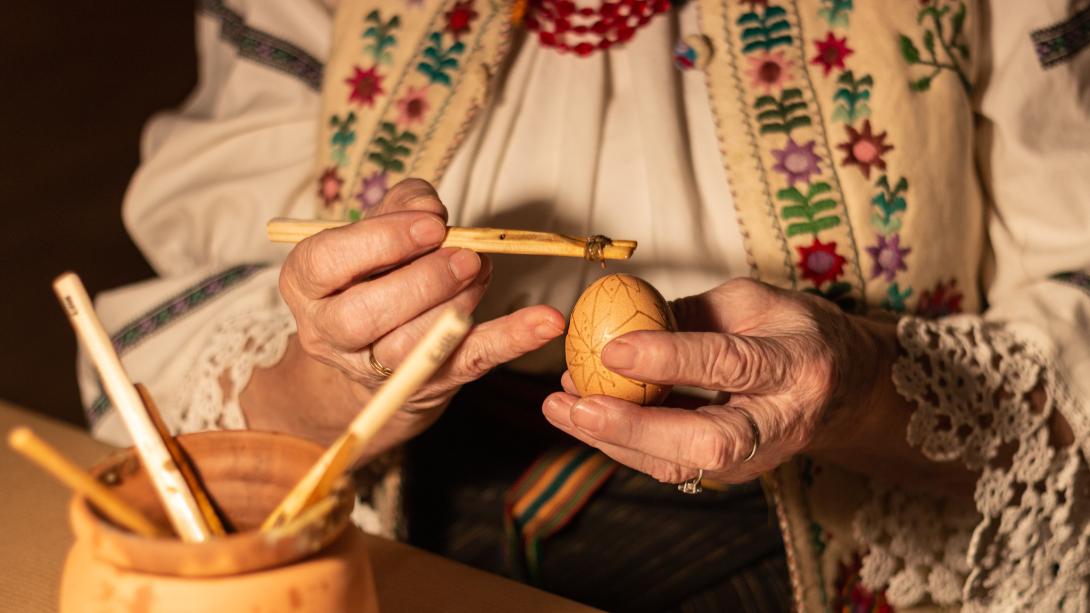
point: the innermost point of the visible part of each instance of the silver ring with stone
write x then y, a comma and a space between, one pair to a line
692, 486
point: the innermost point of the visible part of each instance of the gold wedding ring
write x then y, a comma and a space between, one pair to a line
377, 366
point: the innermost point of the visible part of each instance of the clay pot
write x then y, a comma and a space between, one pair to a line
316, 563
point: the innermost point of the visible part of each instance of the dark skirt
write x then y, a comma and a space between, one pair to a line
640, 545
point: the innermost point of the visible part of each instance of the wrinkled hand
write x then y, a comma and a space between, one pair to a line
377, 286
788, 358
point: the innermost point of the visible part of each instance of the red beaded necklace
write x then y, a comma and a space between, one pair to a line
566, 27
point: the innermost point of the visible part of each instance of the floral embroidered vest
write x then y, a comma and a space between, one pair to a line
846, 132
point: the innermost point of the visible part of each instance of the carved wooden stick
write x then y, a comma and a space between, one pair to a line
178, 501
421, 363
483, 240
66, 471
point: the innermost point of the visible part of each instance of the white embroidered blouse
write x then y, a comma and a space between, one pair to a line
623, 144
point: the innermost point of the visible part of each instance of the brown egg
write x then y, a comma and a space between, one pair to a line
613, 306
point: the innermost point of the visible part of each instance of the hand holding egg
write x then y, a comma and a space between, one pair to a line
612, 306
782, 356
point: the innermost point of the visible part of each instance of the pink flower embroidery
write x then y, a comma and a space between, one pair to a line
364, 86
796, 162
373, 190
329, 186
412, 106
769, 71
889, 257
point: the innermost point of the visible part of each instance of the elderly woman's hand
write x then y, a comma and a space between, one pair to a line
789, 359
364, 294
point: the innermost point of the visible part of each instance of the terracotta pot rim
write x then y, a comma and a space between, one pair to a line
328, 524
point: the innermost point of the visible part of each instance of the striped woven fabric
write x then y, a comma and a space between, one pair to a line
547, 496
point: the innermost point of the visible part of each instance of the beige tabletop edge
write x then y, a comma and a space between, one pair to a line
34, 538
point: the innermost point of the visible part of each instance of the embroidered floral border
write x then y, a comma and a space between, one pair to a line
409, 105
167, 313
790, 133
264, 48
1058, 43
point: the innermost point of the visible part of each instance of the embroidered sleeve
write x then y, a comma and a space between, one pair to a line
984, 396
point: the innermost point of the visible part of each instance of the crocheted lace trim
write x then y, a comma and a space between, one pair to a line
256, 339
259, 339
984, 396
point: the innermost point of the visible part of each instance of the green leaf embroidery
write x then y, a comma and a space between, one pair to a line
390, 146
895, 298
380, 35
942, 49
909, 50
766, 31
439, 60
921, 84
781, 116
852, 97
836, 12
889, 201
344, 135
809, 208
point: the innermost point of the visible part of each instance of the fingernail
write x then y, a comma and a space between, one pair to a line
427, 231
548, 331
557, 409
464, 264
586, 416
619, 354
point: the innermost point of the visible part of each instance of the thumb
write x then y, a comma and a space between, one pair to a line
411, 195
710, 360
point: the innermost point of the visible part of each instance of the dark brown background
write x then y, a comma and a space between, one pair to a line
79, 79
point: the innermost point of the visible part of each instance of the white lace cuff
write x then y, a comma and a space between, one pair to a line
984, 396
210, 401
210, 397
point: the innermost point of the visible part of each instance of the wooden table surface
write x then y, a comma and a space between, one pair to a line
34, 539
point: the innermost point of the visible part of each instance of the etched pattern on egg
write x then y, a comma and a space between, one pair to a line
611, 307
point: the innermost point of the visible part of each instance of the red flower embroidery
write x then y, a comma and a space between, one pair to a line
831, 53
412, 106
364, 86
944, 299
460, 17
329, 185
769, 70
820, 262
864, 148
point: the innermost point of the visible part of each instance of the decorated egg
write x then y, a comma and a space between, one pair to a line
611, 307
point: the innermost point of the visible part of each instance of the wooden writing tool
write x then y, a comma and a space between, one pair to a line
482, 240
43, 454
178, 501
421, 363
184, 466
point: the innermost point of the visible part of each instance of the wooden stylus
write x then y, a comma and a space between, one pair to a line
482, 240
